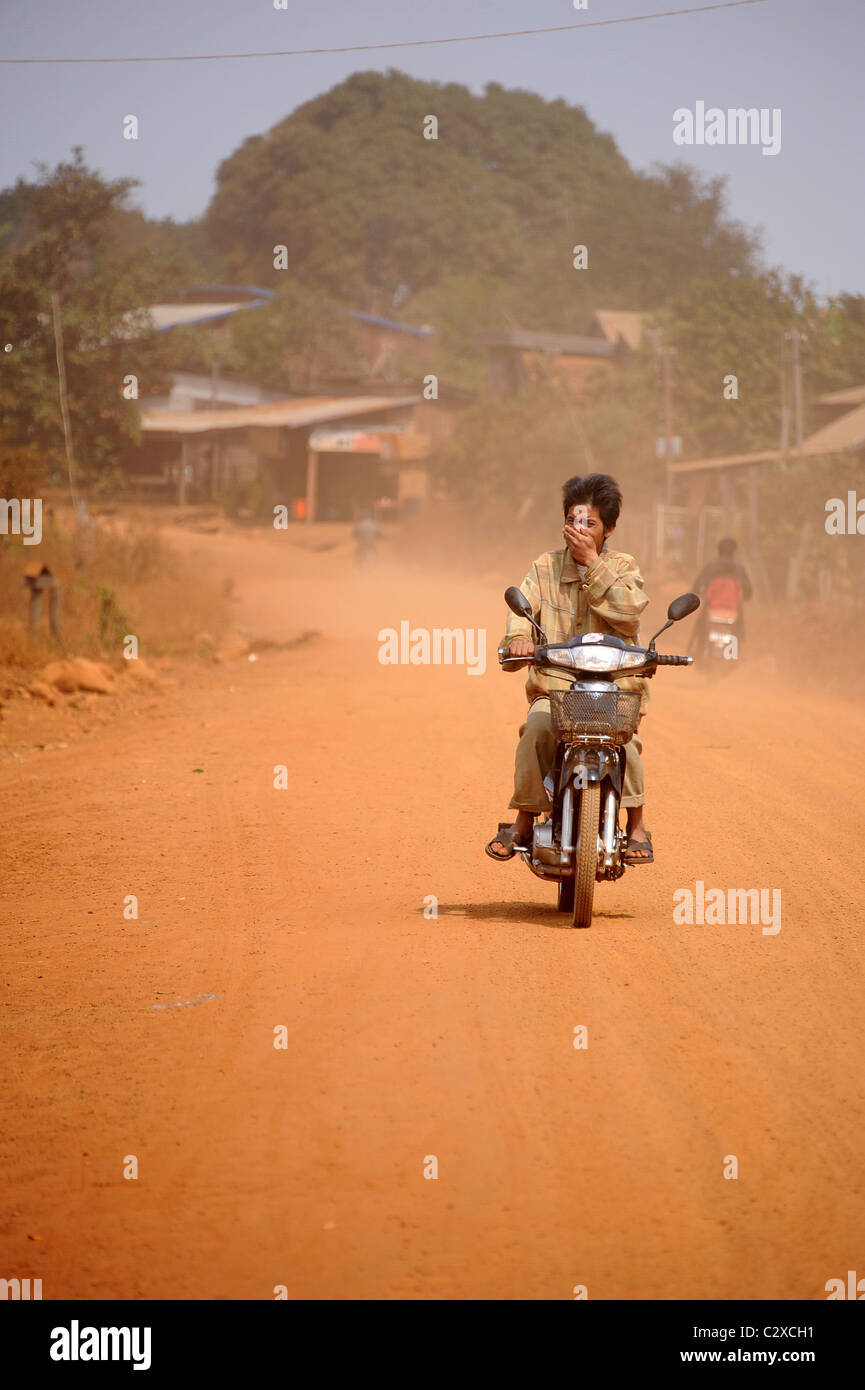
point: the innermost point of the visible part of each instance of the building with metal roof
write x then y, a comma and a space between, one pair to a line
201, 304
368, 459
732, 478
287, 414
840, 436
523, 356
851, 395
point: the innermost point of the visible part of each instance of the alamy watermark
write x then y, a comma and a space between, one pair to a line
441, 646
737, 906
853, 1289
77, 1343
846, 520
22, 516
18, 1289
737, 125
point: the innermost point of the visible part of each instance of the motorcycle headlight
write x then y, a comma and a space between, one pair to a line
597, 658
563, 657
590, 658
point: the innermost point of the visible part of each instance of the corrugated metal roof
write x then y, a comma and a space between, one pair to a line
213, 391
258, 292
847, 432
164, 317
852, 395
167, 316
309, 410
625, 323
728, 461
191, 310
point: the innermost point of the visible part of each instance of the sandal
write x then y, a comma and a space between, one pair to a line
642, 849
508, 837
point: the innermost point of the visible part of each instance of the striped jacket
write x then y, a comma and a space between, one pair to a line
608, 597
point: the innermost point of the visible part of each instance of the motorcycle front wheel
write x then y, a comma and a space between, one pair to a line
587, 854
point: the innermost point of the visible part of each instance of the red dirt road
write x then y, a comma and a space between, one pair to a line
410, 1036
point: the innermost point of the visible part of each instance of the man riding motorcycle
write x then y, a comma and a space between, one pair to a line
585, 587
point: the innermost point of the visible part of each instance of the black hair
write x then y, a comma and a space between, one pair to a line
727, 548
595, 490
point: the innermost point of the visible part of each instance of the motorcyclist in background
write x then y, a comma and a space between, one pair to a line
366, 535
722, 584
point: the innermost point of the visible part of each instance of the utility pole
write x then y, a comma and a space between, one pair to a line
664, 357
784, 442
667, 354
64, 401
796, 338
791, 389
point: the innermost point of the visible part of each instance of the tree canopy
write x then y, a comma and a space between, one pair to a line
66, 245
375, 215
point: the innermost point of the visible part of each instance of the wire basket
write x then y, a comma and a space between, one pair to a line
611, 714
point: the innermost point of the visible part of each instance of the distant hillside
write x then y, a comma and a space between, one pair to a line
468, 232
375, 216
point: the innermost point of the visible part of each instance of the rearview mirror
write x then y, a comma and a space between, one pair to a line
682, 606
679, 608
519, 604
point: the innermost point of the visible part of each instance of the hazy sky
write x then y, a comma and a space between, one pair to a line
802, 56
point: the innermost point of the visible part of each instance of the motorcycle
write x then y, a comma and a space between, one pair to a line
720, 643
580, 842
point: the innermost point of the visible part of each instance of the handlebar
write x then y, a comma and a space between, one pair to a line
653, 659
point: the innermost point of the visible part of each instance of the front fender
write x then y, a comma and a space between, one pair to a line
592, 764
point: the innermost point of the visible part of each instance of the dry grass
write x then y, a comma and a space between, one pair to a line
117, 577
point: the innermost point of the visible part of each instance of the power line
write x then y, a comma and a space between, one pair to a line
404, 43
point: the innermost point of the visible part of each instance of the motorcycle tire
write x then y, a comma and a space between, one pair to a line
587, 854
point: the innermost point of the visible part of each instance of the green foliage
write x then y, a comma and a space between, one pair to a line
738, 327
459, 307
373, 215
834, 352
180, 254
293, 341
68, 243
526, 445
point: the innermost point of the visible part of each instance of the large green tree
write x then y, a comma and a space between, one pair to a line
67, 247
374, 215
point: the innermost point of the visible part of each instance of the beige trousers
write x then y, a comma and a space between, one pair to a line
536, 751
